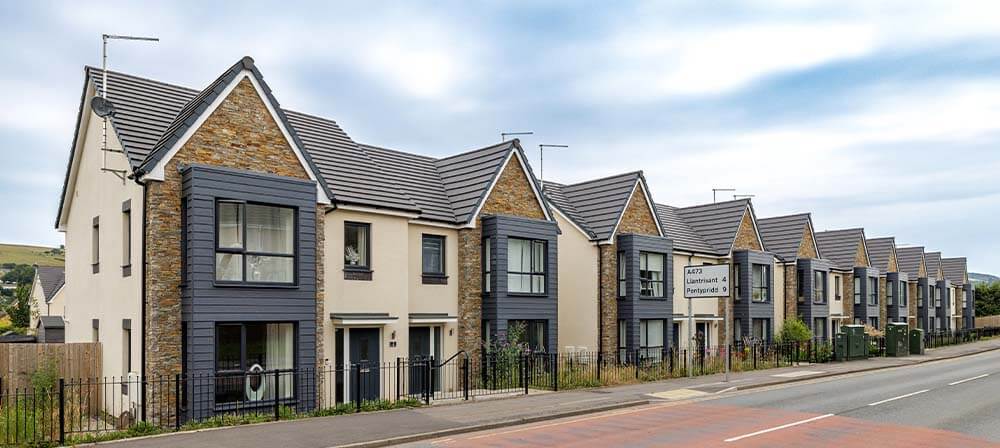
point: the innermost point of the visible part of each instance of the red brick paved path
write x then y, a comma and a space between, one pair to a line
708, 425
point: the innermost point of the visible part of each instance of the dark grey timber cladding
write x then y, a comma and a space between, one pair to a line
969, 313
204, 304
864, 310
924, 311
895, 310
633, 307
944, 311
500, 306
745, 309
810, 309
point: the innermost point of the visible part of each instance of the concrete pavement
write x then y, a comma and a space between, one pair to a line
378, 429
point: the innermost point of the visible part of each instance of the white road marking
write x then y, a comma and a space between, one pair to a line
969, 379
797, 374
777, 428
726, 390
899, 397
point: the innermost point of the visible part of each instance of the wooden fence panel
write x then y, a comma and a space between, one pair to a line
988, 321
72, 360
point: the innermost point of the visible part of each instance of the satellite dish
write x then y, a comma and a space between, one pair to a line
102, 107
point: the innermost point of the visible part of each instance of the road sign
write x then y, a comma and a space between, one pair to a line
706, 281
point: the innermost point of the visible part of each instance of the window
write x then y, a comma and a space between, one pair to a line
801, 286
872, 291
622, 284
761, 283
650, 274
525, 266
248, 348
651, 337
126, 352
920, 297
937, 297
819, 287
761, 329
903, 294
534, 333
95, 245
873, 321
736, 282
857, 290
487, 265
837, 295
891, 289
127, 238
819, 327
622, 338
254, 243
488, 334
737, 330
432, 255
357, 246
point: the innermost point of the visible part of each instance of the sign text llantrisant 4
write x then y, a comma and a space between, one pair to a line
706, 281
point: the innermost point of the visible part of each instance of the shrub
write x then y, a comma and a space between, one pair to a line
794, 330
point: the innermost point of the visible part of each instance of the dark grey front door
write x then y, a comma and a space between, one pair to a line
365, 357
420, 352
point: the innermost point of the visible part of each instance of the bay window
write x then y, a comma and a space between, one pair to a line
736, 282
819, 287
254, 243
487, 265
801, 286
761, 283
857, 290
650, 274
622, 283
872, 291
243, 351
903, 294
525, 266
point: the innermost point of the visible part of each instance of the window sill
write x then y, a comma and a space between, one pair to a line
660, 299
96, 267
526, 294
127, 270
358, 274
254, 285
434, 279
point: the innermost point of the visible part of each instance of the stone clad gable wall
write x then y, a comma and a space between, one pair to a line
240, 134
893, 265
746, 236
511, 195
807, 248
860, 256
922, 268
637, 217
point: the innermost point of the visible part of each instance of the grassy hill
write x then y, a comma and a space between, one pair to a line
983, 278
42, 256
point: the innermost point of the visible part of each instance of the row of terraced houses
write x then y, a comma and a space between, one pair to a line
240, 234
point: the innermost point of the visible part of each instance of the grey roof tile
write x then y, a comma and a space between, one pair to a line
880, 251
595, 205
51, 278
681, 233
840, 246
782, 235
908, 259
52, 322
151, 114
955, 270
717, 223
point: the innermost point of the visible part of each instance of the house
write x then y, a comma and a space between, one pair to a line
614, 250
893, 288
47, 295
962, 308
940, 288
913, 262
723, 233
848, 251
811, 292
234, 224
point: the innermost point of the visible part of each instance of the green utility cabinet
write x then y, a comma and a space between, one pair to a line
897, 341
916, 341
851, 343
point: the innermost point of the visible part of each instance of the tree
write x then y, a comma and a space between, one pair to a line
20, 309
988, 299
794, 330
22, 274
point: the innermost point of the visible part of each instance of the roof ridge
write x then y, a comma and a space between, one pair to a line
611, 176
496, 145
711, 204
793, 215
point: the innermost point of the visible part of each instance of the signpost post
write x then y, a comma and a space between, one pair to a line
708, 281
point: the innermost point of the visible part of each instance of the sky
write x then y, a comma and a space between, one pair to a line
884, 116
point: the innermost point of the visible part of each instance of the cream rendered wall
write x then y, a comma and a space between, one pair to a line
106, 295
57, 306
387, 291
578, 284
779, 296
699, 306
434, 298
38, 305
